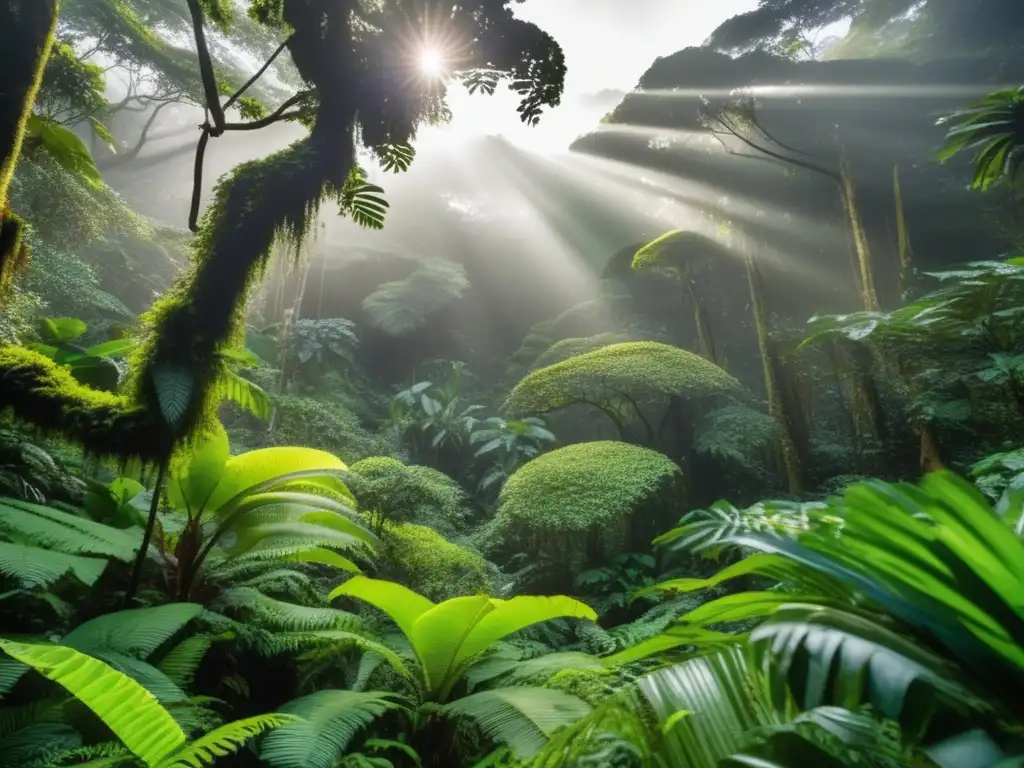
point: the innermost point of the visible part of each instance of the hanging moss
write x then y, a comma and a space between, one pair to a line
39, 392
574, 503
639, 369
426, 562
14, 254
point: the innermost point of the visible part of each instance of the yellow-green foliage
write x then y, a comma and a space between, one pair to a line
566, 348
330, 427
44, 394
585, 495
591, 685
638, 369
404, 493
426, 562
673, 249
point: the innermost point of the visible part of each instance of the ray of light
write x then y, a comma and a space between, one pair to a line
829, 90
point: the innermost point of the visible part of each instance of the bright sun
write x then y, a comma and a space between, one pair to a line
431, 63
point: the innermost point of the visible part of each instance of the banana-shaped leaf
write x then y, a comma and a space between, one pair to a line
128, 709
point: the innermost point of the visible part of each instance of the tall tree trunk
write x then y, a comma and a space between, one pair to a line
26, 37
777, 405
906, 252
865, 273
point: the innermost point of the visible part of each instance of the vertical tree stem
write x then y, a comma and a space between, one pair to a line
147, 537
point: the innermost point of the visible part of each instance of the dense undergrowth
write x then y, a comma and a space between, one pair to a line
236, 541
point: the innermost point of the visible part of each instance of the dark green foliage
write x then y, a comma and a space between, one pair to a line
391, 491
993, 129
433, 566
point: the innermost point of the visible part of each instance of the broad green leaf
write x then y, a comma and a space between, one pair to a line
113, 349
63, 329
518, 613
66, 148
128, 709
258, 467
438, 636
194, 482
400, 603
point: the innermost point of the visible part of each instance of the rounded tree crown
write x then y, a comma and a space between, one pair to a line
635, 369
585, 486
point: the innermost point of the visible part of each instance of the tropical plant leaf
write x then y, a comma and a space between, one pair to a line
400, 603
66, 148
182, 661
36, 525
395, 158
224, 741
246, 394
328, 722
269, 613
521, 718
174, 387
362, 201
34, 567
136, 632
128, 709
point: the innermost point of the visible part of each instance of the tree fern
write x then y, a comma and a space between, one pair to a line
33, 567
521, 718
245, 394
128, 709
182, 661
329, 721
268, 613
137, 632
35, 525
400, 307
224, 741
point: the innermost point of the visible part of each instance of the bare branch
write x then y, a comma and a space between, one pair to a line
206, 69
241, 91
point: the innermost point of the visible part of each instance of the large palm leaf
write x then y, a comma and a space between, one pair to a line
993, 129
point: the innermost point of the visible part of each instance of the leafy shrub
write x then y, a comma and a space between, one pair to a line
387, 489
632, 371
567, 348
574, 504
426, 562
318, 424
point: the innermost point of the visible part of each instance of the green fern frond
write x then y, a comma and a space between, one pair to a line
399, 307
245, 394
174, 387
362, 201
268, 613
181, 663
128, 709
35, 525
288, 585
32, 567
149, 677
520, 718
340, 641
137, 632
395, 158
329, 721
224, 741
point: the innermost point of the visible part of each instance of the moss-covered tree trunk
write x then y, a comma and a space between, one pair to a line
777, 404
26, 37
